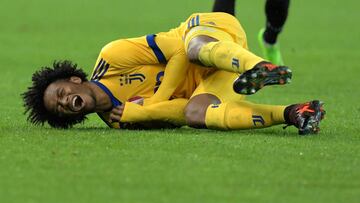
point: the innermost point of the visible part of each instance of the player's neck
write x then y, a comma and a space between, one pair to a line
102, 100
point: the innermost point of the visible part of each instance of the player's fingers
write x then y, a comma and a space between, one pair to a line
116, 113
114, 118
118, 110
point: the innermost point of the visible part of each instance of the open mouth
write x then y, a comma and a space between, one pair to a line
77, 103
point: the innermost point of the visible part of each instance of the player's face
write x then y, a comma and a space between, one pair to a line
69, 97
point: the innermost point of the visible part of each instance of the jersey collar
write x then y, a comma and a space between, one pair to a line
115, 102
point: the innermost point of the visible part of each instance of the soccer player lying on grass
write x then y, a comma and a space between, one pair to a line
132, 68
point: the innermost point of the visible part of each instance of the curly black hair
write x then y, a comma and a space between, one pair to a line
33, 97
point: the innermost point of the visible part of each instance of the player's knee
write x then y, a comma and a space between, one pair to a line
195, 45
195, 110
194, 117
193, 51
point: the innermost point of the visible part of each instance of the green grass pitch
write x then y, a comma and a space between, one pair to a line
94, 164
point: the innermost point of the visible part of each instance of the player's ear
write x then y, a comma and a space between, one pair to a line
75, 79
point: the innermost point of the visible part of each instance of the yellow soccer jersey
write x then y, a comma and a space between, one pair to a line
131, 68
149, 50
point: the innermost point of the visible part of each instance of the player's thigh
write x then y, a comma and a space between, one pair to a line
219, 84
218, 26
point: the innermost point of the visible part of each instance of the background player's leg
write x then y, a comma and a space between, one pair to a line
276, 15
226, 6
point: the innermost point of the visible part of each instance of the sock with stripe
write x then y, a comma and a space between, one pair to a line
229, 56
243, 115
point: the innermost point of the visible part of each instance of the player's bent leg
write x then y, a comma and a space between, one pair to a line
195, 45
223, 54
196, 108
256, 72
220, 52
220, 46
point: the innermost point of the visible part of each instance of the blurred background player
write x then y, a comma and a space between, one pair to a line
276, 14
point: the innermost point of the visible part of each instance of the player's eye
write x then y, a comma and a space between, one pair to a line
62, 92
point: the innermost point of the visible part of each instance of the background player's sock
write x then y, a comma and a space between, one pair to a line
229, 56
276, 14
243, 115
227, 6
271, 52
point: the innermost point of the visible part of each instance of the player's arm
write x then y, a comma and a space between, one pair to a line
175, 71
171, 111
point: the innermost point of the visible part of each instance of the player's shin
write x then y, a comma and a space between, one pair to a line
229, 56
243, 115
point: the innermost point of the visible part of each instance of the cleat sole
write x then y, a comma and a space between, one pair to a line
255, 79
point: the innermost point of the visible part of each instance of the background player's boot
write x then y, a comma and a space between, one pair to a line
306, 117
262, 74
270, 52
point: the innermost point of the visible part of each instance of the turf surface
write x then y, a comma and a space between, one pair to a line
94, 164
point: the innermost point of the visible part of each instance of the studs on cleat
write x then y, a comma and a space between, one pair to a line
255, 79
252, 91
243, 80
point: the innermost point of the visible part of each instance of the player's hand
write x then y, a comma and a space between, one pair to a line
116, 113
